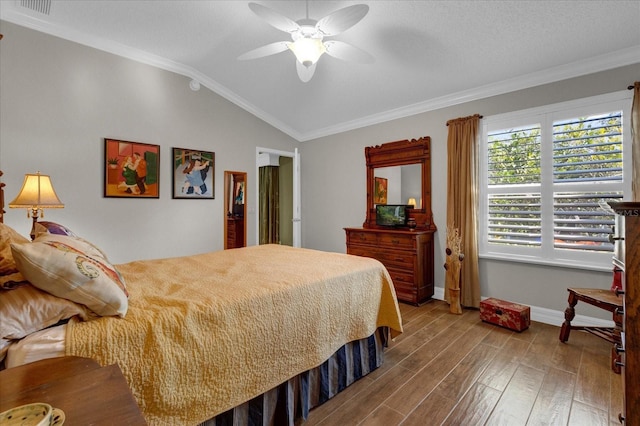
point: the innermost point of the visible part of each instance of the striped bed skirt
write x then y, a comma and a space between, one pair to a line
294, 398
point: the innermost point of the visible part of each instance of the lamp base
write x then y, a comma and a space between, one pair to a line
34, 216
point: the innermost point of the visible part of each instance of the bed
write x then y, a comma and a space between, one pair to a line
249, 336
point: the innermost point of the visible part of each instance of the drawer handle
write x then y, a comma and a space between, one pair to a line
395, 241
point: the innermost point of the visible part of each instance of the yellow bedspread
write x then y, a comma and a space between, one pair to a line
208, 332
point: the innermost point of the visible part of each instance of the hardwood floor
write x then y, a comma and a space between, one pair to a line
450, 369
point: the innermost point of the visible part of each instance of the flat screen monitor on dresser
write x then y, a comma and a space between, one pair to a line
391, 215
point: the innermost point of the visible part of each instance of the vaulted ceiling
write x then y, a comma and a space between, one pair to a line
428, 54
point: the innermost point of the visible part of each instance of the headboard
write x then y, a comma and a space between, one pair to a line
1, 200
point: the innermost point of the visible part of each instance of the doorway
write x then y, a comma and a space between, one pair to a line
289, 194
235, 222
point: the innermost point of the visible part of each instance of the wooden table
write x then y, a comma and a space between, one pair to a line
87, 393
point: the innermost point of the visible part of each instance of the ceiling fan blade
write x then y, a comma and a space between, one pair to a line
269, 49
347, 52
305, 73
342, 19
274, 19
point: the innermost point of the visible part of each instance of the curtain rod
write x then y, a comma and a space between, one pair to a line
464, 118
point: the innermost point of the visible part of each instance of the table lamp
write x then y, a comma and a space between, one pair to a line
37, 194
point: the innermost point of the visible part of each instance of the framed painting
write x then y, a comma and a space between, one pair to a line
380, 191
131, 169
193, 173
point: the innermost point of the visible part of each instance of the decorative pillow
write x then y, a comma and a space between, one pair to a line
73, 269
25, 310
8, 236
53, 228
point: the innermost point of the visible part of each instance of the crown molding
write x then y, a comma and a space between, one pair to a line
592, 65
605, 62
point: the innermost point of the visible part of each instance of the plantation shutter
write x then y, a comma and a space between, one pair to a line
514, 208
586, 151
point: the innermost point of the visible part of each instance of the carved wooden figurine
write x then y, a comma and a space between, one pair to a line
453, 265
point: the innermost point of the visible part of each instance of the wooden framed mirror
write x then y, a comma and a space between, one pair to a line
402, 171
235, 207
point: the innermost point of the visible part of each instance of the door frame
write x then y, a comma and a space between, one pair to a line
297, 215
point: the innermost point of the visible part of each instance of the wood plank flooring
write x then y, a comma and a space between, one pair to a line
450, 369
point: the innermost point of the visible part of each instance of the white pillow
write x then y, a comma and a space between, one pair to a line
74, 269
25, 310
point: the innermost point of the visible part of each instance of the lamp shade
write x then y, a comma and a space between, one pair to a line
307, 50
412, 202
37, 193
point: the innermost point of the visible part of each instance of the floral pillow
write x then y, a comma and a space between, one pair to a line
74, 269
53, 228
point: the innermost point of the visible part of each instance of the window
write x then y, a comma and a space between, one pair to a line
545, 177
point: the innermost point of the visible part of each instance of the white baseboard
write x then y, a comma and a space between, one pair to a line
547, 316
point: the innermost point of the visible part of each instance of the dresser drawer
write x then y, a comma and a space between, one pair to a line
397, 259
399, 241
363, 251
405, 292
405, 277
362, 238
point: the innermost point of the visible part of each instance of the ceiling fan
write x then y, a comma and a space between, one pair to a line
307, 37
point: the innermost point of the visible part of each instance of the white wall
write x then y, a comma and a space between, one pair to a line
335, 167
60, 99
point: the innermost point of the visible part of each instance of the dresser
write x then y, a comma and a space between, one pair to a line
235, 232
407, 255
627, 258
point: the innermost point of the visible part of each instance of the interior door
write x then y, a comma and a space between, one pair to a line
296, 222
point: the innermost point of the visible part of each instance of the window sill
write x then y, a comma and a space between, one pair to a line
565, 263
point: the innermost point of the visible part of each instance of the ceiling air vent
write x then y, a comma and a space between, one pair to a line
42, 6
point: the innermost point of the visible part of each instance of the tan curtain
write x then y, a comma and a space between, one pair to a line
269, 205
635, 143
462, 203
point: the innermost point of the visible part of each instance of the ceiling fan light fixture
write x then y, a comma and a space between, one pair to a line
307, 50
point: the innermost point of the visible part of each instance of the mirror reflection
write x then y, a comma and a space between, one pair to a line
235, 226
398, 185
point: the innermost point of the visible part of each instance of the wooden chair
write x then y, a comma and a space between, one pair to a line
603, 299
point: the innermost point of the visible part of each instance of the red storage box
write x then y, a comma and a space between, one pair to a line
505, 314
